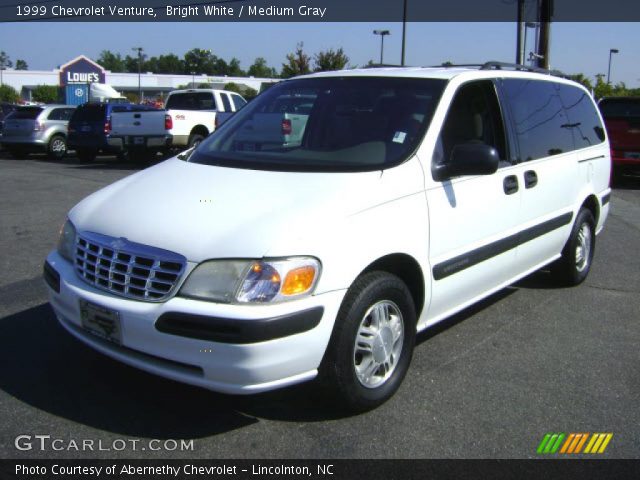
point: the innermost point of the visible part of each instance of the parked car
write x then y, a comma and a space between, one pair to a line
622, 120
413, 194
190, 116
37, 129
5, 109
90, 128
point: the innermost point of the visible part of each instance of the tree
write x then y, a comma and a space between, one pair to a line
234, 69
131, 63
582, 79
5, 61
298, 63
261, 70
8, 94
170, 64
245, 91
21, 65
199, 61
45, 94
111, 61
330, 60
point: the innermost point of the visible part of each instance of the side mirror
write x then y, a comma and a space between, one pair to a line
468, 159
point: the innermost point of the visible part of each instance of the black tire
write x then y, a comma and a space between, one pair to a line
195, 139
57, 148
573, 266
339, 365
86, 154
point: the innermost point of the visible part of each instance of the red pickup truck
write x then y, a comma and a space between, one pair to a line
622, 120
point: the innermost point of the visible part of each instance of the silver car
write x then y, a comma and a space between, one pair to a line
37, 129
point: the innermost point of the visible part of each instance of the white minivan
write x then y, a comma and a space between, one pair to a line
243, 266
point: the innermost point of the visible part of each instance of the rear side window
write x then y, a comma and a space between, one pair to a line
620, 107
541, 124
226, 102
26, 113
60, 114
584, 122
191, 101
238, 101
89, 113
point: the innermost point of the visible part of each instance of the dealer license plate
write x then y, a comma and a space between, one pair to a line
101, 321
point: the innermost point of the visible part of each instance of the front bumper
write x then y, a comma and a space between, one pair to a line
237, 368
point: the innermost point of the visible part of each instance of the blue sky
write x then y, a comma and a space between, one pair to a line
576, 47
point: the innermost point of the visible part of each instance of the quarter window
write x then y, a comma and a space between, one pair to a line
541, 124
584, 122
226, 102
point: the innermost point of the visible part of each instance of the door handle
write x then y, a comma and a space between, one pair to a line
510, 184
530, 179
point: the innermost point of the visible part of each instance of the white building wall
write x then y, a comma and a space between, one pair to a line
19, 78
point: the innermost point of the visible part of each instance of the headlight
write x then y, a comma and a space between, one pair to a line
67, 241
252, 281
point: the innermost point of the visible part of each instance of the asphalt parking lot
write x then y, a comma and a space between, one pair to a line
488, 383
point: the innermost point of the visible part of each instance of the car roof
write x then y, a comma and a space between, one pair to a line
467, 72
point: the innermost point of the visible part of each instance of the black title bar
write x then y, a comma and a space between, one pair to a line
311, 11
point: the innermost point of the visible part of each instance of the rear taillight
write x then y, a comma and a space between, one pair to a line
216, 122
286, 126
168, 122
107, 126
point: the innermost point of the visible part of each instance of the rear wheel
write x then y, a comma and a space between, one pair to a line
195, 139
57, 147
372, 342
86, 154
573, 266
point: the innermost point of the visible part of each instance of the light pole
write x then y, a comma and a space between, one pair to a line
404, 29
193, 79
382, 34
611, 52
139, 50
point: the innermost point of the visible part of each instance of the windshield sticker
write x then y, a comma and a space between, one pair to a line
399, 137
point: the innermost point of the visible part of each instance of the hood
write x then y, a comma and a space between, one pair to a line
205, 212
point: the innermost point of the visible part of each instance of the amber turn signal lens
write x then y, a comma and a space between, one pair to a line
298, 280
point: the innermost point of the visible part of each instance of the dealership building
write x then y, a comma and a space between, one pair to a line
75, 77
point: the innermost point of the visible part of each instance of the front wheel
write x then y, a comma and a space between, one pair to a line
372, 342
57, 148
573, 266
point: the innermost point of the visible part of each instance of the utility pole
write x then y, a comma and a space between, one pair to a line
404, 30
139, 50
545, 14
521, 27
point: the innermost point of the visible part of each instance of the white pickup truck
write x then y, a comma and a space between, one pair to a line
189, 117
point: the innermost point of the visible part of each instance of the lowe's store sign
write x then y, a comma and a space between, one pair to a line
81, 70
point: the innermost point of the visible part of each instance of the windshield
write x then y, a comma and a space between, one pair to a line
620, 107
326, 124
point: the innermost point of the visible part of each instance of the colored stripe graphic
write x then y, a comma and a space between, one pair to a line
573, 443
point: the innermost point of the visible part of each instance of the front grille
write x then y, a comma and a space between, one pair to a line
126, 268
